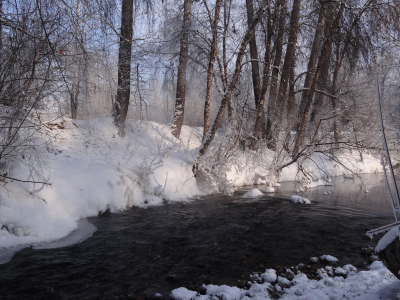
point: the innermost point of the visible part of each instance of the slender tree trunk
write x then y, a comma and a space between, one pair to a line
309, 76
227, 15
255, 69
1, 29
272, 110
210, 71
120, 109
259, 123
289, 63
228, 93
312, 60
74, 94
303, 121
323, 78
181, 78
330, 27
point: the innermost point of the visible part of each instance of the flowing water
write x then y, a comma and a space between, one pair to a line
217, 239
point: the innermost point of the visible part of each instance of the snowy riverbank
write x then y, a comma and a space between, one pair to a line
91, 169
334, 283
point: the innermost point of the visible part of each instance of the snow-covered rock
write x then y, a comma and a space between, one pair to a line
269, 189
18, 232
252, 193
182, 294
298, 199
269, 275
329, 258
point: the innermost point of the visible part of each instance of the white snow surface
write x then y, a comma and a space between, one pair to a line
376, 283
92, 169
388, 238
252, 193
298, 199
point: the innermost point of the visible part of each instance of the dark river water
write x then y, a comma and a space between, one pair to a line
217, 239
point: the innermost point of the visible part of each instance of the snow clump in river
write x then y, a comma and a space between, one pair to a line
298, 199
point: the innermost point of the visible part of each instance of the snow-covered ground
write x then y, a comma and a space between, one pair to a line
92, 169
334, 283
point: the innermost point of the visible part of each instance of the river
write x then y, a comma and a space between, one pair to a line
216, 239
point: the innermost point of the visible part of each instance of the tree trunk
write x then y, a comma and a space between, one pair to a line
227, 15
304, 116
259, 123
312, 60
181, 78
310, 75
210, 71
1, 29
120, 109
255, 70
271, 112
323, 78
289, 64
74, 94
228, 92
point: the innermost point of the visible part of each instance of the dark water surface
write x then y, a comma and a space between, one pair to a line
218, 239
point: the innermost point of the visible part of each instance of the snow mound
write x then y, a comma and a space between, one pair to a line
276, 184
269, 275
253, 193
329, 258
298, 199
182, 294
388, 238
269, 189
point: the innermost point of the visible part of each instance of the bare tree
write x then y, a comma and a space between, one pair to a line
255, 69
228, 93
120, 108
181, 78
210, 70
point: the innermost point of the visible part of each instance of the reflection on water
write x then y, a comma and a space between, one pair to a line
217, 239
346, 192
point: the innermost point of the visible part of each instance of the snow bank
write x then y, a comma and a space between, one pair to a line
377, 283
92, 169
298, 199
